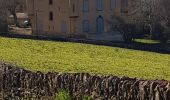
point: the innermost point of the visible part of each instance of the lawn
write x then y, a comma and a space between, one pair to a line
45, 56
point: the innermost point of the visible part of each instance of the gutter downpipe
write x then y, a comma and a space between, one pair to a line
35, 17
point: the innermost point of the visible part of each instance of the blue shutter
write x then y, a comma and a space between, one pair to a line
85, 26
99, 4
100, 24
112, 4
85, 5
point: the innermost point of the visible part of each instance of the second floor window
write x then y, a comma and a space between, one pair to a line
99, 5
85, 5
51, 16
50, 2
112, 4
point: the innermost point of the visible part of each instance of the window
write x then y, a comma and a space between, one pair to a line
50, 2
73, 8
85, 5
85, 26
112, 4
51, 16
99, 5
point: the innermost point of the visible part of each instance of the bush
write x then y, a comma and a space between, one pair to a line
161, 33
128, 32
62, 95
165, 36
3, 28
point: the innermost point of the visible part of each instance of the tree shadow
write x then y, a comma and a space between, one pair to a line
136, 45
150, 47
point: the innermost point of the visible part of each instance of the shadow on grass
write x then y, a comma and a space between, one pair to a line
136, 45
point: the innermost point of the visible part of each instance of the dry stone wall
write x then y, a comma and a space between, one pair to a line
17, 83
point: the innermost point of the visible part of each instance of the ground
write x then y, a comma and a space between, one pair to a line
19, 30
45, 56
109, 36
112, 36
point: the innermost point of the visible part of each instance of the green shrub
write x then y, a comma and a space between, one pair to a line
62, 95
3, 28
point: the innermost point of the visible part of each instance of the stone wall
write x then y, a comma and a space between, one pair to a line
17, 83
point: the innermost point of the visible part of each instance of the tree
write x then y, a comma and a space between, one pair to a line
8, 7
145, 16
165, 18
155, 14
126, 24
13, 7
3, 17
126, 29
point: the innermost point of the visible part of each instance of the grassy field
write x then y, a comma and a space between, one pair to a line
36, 55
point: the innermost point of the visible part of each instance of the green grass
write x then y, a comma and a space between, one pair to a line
147, 41
62, 95
47, 56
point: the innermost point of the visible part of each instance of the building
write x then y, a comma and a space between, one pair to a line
21, 18
62, 17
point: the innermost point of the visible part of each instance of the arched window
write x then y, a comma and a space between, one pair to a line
85, 26
85, 5
100, 24
51, 16
99, 5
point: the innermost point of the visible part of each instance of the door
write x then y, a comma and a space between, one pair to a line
100, 24
72, 25
85, 26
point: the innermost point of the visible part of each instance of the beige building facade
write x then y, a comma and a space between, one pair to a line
62, 17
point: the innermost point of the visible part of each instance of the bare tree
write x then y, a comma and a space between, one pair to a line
151, 16
165, 20
3, 17
13, 6
120, 25
8, 7
155, 14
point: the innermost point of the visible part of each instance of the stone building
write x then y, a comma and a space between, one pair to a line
62, 17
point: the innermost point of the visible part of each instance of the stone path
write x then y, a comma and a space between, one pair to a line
21, 31
106, 36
